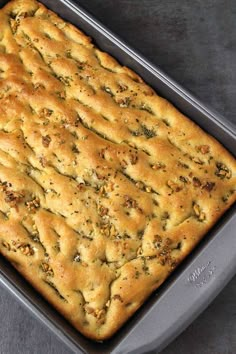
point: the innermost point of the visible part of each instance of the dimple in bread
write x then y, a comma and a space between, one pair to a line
105, 186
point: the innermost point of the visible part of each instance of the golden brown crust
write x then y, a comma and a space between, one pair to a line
105, 187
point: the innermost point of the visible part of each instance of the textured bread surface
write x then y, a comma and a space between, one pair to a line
104, 186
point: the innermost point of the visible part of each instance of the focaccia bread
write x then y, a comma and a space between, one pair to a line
104, 186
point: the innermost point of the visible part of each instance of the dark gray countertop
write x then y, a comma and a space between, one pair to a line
195, 43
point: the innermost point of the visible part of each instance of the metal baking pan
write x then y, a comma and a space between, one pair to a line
198, 280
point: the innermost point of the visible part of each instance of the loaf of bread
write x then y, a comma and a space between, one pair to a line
104, 186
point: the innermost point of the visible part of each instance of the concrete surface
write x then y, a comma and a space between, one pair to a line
195, 43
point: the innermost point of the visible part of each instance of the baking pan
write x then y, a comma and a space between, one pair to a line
198, 280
